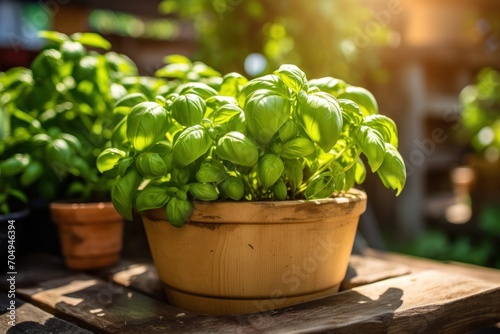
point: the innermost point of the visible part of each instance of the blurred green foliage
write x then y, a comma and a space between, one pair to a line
318, 35
480, 104
129, 25
480, 248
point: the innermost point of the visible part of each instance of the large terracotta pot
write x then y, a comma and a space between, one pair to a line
242, 257
90, 234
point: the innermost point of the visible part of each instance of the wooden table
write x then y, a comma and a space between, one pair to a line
382, 293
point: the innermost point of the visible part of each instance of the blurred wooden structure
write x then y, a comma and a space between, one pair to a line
437, 49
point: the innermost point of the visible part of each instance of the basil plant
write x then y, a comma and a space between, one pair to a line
276, 137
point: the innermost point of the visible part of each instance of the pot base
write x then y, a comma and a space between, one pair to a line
219, 305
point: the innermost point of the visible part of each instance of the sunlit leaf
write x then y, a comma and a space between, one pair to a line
372, 145
392, 172
321, 118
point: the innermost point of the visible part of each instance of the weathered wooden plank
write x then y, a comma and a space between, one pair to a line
37, 267
31, 319
105, 307
427, 301
363, 270
138, 275
418, 264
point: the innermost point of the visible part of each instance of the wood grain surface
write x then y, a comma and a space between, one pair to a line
428, 301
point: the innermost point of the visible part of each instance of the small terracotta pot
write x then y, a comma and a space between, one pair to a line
90, 234
242, 257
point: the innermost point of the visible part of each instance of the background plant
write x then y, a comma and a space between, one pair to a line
481, 113
319, 36
275, 137
57, 116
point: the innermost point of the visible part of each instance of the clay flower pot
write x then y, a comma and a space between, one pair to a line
90, 234
241, 257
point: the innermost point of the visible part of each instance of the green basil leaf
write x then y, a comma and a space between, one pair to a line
174, 71
191, 144
163, 148
124, 66
351, 113
151, 197
279, 191
176, 59
232, 83
349, 179
211, 172
204, 191
58, 151
372, 145
294, 172
270, 83
204, 71
265, 113
86, 69
123, 105
329, 85
14, 165
321, 118
71, 50
178, 211
225, 113
91, 39
32, 173
124, 164
288, 131
215, 102
53, 36
30, 120
119, 135
363, 98
238, 149
359, 171
385, 126
147, 123
197, 88
324, 185
297, 148
181, 176
188, 110
270, 169
123, 192
109, 158
392, 172
293, 77
18, 194
238, 124
41, 139
73, 142
150, 165
46, 64
233, 188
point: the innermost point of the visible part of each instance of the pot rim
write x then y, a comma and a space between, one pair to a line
70, 205
349, 204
